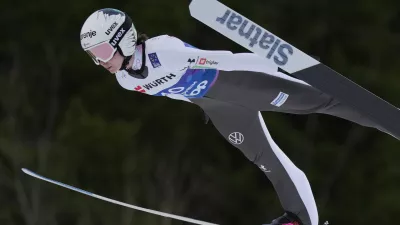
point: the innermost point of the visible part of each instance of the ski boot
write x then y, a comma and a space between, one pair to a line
287, 219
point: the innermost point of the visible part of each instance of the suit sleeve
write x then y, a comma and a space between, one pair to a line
178, 55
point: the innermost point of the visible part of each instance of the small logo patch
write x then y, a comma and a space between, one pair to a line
263, 168
236, 138
140, 89
280, 99
155, 62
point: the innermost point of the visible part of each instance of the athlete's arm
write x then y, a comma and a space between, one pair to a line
175, 55
186, 57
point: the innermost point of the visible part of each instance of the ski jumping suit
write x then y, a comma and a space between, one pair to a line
232, 89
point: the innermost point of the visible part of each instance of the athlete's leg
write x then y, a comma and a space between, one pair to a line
245, 129
281, 93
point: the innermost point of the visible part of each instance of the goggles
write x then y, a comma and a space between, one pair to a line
101, 52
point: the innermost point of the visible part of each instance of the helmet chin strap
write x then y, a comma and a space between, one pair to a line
125, 63
126, 59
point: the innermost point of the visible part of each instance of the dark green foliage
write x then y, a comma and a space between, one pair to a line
67, 119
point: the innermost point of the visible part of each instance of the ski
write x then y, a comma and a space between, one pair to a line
282, 55
115, 201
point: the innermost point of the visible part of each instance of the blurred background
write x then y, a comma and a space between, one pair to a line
67, 119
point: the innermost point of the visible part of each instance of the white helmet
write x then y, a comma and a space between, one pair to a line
107, 31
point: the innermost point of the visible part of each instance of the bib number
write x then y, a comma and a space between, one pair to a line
187, 92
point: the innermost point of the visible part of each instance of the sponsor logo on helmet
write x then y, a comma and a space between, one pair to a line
89, 34
276, 49
112, 27
117, 37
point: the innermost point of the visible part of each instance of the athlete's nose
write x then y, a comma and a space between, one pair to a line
103, 63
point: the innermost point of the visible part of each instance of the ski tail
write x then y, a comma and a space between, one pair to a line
282, 55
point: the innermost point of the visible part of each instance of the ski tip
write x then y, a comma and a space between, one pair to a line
26, 171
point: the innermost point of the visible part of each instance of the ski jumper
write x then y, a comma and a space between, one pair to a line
233, 89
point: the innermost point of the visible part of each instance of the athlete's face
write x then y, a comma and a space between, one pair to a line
114, 64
